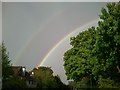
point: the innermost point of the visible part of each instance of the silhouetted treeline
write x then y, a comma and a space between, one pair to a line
17, 76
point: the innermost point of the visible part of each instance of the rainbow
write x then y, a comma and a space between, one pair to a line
17, 57
63, 39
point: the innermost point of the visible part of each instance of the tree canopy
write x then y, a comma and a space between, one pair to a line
45, 79
95, 52
8, 80
6, 65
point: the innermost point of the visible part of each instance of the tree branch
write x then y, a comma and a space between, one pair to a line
118, 69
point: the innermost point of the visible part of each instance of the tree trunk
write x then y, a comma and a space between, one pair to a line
118, 69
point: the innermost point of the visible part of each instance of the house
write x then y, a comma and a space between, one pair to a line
19, 71
30, 80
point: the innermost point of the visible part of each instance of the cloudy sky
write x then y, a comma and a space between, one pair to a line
38, 33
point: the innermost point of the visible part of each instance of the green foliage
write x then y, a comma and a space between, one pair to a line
6, 67
107, 45
84, 83
96, 51
15, 82
77, 59
43, 76
9, 81
59, 83
45, 79
107, 83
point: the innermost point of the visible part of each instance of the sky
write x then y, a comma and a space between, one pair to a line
60, 0
38, 33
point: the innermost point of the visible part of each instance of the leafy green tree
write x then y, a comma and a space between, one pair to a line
84, 83
45, 79
107, 83
43, 76
8, 80
107, 45
14, 83
6, 67
96, 51
77, 59
59, 83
